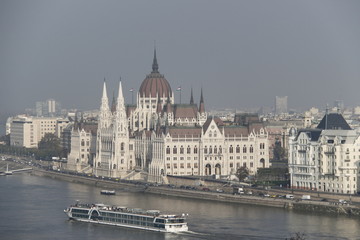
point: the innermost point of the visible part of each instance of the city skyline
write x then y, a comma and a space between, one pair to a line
244, 52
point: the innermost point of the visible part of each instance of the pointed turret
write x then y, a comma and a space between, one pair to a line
104, 117
159, 105
191, 97
155, 66
168, 105
104, 99
202, 105
120, 100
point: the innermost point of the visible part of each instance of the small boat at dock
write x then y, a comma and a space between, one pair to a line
107, 192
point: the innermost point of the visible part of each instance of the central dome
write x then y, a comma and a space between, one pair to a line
155, 83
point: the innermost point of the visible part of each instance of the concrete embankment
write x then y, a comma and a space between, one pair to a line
90, 181
221, 197
302, 206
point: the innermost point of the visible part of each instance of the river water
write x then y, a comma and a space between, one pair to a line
32, 207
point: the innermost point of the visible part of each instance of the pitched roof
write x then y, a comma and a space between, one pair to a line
185, 110
217, 121
182, 132
313, 134
333, 121
236, 131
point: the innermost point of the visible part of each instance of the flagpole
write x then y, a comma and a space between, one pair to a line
179, 90
132, 96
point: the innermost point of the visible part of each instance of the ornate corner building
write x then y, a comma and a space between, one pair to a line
325, 158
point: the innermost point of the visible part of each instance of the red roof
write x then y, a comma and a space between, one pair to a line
155, 84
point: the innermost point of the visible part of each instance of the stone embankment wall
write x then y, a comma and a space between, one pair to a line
327, 208
90, 181
213, 196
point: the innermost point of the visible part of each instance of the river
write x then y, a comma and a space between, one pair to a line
31, 208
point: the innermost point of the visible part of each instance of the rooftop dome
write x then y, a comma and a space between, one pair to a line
155, 83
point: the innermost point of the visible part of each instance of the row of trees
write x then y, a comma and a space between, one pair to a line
48, 147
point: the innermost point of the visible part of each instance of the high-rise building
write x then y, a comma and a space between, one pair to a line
48, 108
281, 105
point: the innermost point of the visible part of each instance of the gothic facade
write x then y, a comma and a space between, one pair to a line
157, 137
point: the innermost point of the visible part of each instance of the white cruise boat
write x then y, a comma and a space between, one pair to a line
151, 220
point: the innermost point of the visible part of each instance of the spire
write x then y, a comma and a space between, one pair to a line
104, 99
168, 105
120, 100
104, 91
113, 104
155, 66
191, 97
202, 105
159, 105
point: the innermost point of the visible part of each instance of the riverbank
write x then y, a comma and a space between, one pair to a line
291, 205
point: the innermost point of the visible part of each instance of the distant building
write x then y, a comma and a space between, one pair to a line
28, 131
281, 105
325, 158
339, 105
49, 108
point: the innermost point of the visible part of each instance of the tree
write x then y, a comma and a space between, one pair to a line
242, 173
49, 146
279, 152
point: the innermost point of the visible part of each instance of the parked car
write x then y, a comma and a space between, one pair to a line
289, 196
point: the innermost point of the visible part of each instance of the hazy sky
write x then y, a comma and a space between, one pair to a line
243, 53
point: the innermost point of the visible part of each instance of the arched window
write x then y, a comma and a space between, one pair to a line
174, 150
218, 169
215, 149
262, 163
237, 149
231, 149
167, 150
244, 149
82, 143
195, 150
188, 150
251, 149
181, 150
208, 169
205, 150
210, 150
220, 149
122, 146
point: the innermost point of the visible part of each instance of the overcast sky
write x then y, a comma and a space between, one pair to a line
243, 53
